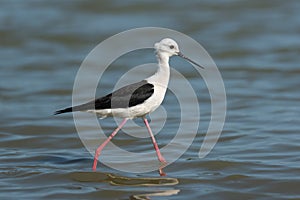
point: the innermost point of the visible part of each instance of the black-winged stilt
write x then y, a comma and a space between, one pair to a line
136, 100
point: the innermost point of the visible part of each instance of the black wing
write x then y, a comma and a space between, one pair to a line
128, 96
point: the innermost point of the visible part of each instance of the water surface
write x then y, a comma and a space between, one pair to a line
256, 47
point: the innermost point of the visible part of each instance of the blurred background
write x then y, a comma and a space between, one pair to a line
255, 45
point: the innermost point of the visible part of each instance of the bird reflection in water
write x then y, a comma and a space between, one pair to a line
116, 180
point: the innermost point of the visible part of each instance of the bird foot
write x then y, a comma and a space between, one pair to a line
163, 165
161, 172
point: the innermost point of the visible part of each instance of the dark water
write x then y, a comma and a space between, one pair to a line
256, 47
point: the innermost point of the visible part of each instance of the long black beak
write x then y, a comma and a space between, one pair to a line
183, 56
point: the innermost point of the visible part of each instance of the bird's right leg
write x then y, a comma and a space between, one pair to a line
99, 149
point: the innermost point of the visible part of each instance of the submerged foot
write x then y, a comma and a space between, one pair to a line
161, 172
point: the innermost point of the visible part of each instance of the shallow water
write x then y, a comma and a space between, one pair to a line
256, 47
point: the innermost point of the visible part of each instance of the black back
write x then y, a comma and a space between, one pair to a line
128, 96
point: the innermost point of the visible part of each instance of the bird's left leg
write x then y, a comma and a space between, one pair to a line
159, 156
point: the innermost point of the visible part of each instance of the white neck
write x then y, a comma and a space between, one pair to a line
161, 77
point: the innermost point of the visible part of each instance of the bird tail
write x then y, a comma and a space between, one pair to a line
66, 110
82, 107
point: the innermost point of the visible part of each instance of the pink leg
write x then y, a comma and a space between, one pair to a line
99, 149
159, 156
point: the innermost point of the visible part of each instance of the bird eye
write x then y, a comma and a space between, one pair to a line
172, 47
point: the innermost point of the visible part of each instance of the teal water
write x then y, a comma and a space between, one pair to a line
256, 47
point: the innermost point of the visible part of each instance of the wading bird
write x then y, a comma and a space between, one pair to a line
137, 99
